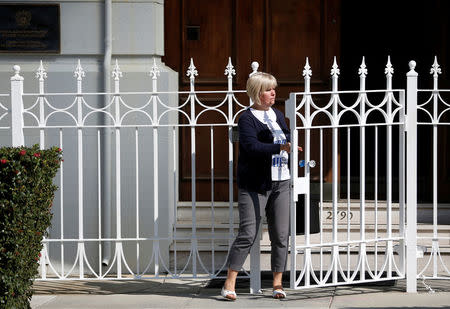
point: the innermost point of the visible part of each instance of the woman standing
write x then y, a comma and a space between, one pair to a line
263, 182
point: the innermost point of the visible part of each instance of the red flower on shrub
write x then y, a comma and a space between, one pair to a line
22, 152
39, 254
37, 154
59, 149
38, 233
3, 161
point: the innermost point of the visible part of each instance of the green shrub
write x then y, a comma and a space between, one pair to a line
26, 195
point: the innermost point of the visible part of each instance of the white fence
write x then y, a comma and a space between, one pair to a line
143, 235
144, 128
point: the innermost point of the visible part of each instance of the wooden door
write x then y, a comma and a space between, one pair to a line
277, 34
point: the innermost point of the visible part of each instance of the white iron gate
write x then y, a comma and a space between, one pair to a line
353, 245
433, 120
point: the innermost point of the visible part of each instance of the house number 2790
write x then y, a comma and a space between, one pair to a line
342, 214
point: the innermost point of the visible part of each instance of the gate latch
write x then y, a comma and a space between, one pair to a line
300, 186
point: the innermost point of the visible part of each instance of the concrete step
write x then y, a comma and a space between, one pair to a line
219, 228
213, 232
219, 212
219, 239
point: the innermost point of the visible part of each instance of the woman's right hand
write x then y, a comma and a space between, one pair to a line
287, 147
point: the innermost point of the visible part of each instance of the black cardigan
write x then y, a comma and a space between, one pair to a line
256, 147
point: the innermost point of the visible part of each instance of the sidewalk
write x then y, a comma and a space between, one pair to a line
191, 293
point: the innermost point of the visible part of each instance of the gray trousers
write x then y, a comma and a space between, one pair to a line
275, 204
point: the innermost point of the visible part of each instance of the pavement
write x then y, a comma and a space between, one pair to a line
202, 293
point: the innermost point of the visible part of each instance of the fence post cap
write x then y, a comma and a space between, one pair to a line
254, 65
16, 76
412, 65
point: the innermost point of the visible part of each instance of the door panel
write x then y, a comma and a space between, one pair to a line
277, 34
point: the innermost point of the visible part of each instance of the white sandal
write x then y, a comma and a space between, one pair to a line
278, 293
230, 295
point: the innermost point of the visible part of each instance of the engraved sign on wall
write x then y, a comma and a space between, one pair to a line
30, 28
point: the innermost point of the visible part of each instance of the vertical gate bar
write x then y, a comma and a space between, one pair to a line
99, 201
411, 175
154, 73
255, 251
80, 198
334, 74
41, 74
79, 73
389, 253
362, 170
435, 70
291, 108
307, 195
335, 204
117, 124
389, 191
230, 71
61, 206
137, 202
401, 175
435, 183
376, 198
348, 201
321, 203
175, 199
212, 199
118, 193
191, 73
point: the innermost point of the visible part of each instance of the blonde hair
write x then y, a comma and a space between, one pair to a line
259, 82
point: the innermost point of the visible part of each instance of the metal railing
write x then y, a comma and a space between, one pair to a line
371, 242
145, 234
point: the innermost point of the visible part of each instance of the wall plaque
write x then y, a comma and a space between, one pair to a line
30, 28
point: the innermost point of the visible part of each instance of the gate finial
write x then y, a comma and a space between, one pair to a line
307, 73
154, 71
41, 74
334, 75
79, 72
117, 73
230, 71
362, 71
435, 68
192, 70
389, 70
335, 69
